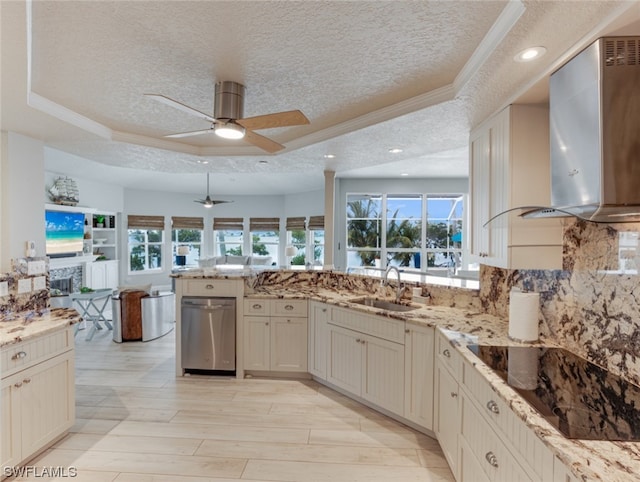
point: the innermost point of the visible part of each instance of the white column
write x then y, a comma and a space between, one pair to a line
329, 212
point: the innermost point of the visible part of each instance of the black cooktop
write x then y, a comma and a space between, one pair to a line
582, 400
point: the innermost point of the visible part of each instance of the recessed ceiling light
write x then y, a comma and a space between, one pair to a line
329, 156
404, 174
395, 150
203, 162
532, 53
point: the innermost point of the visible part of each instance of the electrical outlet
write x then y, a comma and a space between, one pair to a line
24, 285
39, 283
35, 267
4, 288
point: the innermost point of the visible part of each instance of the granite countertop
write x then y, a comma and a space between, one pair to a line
588, 459
29, 325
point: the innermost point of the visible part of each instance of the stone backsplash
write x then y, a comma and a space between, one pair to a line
592, 305
34, 300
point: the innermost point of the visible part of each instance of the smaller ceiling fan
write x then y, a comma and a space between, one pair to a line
208, 202
227, 120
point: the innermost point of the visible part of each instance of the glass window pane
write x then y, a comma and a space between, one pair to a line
363, 258
138, 258
363, 233
404, 206
136, 236
154, 235
155, 256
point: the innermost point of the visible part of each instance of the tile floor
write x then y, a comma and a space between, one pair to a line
137, 422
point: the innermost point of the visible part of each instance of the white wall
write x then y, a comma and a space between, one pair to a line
158, 203
23, 196
391, 186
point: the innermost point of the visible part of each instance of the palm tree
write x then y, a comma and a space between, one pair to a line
364, 229
406, 234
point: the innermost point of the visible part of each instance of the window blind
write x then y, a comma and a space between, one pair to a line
316, 222
145, 222
181, 222
264, 224
228, 223
296, 223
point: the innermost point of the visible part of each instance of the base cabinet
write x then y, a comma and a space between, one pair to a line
102, 274
418, 373
274, 341
447, 416
37, 407
368, 367
318, 339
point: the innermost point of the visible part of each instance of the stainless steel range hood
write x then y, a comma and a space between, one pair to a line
595, 134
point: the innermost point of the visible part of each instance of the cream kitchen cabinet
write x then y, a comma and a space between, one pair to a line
561, 473
509, 168
275, 335
101, 274
367, 366
419, 374
447, 401
38, 395
318, 339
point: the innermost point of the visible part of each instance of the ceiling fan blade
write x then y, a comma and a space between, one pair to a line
192, 133
279, 119
180, 106
262, 142
218, 201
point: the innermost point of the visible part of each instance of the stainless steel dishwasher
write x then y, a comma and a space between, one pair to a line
208, 334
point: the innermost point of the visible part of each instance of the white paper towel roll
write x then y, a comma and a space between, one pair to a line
524, 308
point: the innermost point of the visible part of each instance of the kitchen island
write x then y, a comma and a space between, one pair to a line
545, 453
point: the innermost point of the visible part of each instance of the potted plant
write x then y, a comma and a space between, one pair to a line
100, 221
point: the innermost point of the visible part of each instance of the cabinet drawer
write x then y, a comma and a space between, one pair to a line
208, 287
494, 458
535, 455
256, 307
379, 326
297, 308
448, 355
19, 356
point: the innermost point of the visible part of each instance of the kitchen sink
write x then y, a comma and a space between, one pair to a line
383, 304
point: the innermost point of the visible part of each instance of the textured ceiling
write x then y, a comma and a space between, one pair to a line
370, 75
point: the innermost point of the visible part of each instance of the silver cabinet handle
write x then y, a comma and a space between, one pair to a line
454, 394
256, 306
19, 355
324, 310
27, 380
266, 323
492, 459
446, 353
288, 307
357, 340
288, 320
407, 330
209, 287
17, 385
493, 407
363, 342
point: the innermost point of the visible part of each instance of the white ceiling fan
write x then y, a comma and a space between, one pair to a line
227, 120
208, 202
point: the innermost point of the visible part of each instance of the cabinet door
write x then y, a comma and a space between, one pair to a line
111, 274
479, 165
345, 359
257, 343
418, 375
96, 275
48, 402
288, 344
383, 380
447, 416
318, 315
500, 187
470, 467
10, 422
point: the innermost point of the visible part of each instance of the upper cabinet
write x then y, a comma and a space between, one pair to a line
509, 168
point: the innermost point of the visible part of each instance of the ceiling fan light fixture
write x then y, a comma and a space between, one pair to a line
230, 131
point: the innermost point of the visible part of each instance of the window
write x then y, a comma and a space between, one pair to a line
265, 238
404, 230
228, 237
297, 237
316, 241
364, 233
146, 238
421, 232
186, 240
444, 232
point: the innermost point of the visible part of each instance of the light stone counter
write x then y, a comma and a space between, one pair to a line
27, 325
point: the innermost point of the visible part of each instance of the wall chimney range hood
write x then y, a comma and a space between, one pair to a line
595, 134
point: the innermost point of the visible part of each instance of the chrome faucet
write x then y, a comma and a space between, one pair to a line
386, 280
